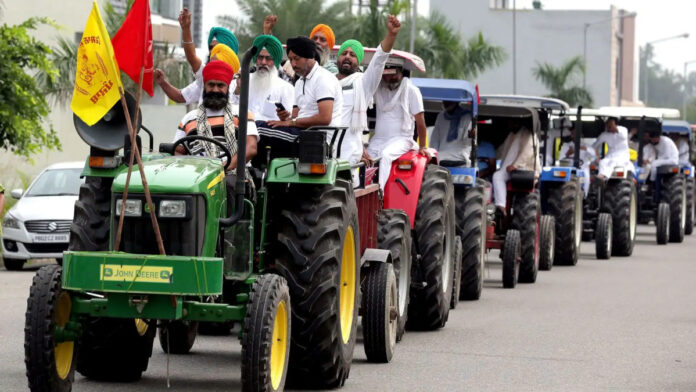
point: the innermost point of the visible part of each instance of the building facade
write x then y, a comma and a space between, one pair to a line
536, 36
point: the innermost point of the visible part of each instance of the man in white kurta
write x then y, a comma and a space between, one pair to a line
359, 88
399, 107
682, 143
518, 152
616, 138
450, 136
587, 156
666, 152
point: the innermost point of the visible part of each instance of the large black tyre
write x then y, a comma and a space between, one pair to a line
90, 227
547, 242
603, 235
621, 202
50, 365
379, 319
471, 228
565, 204
319, 256
689, 224
394, 235
675, 195
266, 335
457, 275
511, 253
525, 219
14, 264
178, 336
662, 219
434, 235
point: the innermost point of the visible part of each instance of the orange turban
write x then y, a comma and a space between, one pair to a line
330, 37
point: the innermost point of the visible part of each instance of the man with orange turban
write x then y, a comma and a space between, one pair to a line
325, 40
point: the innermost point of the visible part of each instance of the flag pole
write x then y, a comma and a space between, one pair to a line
119, 230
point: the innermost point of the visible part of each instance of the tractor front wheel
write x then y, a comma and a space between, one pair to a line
178, 336
379, 315
547, 242
603, 235
457, 276
49, 355
471, 228
511, 258
621, 201
662, 223
675, 195
689, 224
526, 219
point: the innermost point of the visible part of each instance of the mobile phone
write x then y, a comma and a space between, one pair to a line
280, 106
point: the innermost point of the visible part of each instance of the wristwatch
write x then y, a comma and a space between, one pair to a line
294, 122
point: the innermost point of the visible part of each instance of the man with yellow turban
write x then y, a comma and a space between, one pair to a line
359, 88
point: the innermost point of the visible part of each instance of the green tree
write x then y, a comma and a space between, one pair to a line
564, 82
23, 107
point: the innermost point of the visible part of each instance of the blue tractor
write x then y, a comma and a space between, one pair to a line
681, 131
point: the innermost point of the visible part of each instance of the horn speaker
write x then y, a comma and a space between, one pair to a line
108, 134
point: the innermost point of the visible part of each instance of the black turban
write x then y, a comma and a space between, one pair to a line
303, 47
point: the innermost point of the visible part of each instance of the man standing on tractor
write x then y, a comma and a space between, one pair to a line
399, 105
216, 118
616, 138
587, 156
450, 136
519, 152
666, 152
359, 87
318, 100
266, 88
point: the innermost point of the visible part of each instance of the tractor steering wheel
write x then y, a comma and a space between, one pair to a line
226, 151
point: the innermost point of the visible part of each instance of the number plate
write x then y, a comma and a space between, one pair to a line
51, 237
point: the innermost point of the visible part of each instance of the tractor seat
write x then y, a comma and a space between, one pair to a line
521, 180
454, 164
667, 169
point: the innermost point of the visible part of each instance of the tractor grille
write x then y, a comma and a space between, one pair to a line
48, 226
181, 236
46, 247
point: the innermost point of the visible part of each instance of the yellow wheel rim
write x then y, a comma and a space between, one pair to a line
347, 292
141, 326
279, 344
63, 352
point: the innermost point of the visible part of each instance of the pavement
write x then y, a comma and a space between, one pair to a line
624, 324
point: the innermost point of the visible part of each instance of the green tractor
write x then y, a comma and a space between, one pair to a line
278, 249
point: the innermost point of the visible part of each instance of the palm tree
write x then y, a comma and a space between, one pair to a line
564, 82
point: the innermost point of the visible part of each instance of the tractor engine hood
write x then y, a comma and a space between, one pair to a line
174, 175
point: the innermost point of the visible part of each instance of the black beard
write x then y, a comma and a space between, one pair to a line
347, 71
215, 101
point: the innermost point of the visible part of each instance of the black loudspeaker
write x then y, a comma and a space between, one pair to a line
108, 134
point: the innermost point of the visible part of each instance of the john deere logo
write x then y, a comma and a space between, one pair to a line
164, 275
108, 272
136, 273
147, 207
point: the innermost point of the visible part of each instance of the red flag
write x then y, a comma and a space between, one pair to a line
133, 44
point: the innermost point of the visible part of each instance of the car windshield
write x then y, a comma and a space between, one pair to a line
57, 182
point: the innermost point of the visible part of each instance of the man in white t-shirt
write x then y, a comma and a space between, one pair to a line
216, 118
399, 105
318, 101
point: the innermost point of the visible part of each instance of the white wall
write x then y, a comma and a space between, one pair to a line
542, 36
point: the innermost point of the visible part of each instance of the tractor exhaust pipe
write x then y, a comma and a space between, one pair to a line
239, 187
577, 140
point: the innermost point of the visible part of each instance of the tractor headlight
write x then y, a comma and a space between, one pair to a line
462, 179
10, 222
134, 207
172, 209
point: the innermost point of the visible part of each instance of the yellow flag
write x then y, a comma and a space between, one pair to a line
97, 79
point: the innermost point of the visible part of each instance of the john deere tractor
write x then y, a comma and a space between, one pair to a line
276, 248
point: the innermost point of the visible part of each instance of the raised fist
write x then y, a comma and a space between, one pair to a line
185, 19
393, 24
269, 23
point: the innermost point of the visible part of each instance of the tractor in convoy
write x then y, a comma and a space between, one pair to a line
679, 129
471, 194
517, 232
277, 252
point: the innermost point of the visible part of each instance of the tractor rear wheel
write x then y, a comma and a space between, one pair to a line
565, 204
50, 363
525, 220
675, 195
319, 256
689, 224
621, 201
603, 235
266, 335
178, 336
90, 227
432, 269
547, 242
457, 275
662, 223
471, 228
394, 235
511, 258
379, 317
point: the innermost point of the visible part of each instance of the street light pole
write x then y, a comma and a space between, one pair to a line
647, 47
684, 96
514, 47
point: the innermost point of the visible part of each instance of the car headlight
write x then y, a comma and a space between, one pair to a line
134, 207
10, 222
172, 209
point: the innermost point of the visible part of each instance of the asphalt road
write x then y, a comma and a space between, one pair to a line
626, 324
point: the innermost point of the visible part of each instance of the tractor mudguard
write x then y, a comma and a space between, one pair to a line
402, 189
372, 255
285, 171
463, 176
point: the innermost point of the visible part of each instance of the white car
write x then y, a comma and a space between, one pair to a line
38, 225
